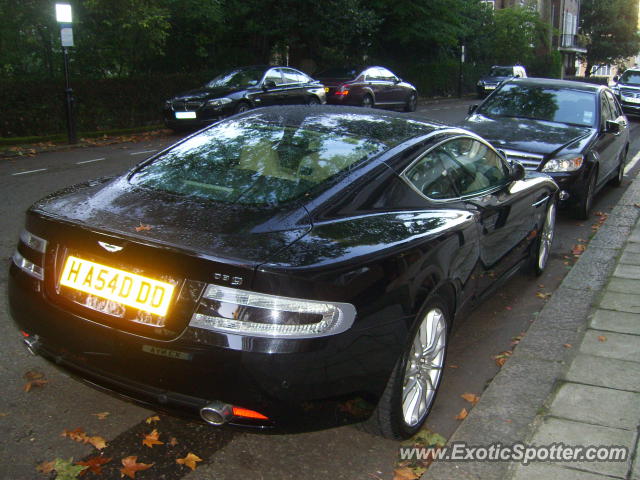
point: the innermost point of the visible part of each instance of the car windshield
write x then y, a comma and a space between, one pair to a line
342, 72
630, 77
561, 105
239, 78
250, 161
501, 72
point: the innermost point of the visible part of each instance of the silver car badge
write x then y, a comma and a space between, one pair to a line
109, 247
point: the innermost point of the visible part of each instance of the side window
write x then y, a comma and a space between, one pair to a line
430, 176
614, 105
605, 110
474, 167
371, 75
386, 74
292, 76
274, 75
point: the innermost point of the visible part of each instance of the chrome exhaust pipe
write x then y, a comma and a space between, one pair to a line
216, 413
32, 344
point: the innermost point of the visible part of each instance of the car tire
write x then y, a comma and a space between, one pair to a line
617, 180
413, 385
313, 100
367, 101
541, 247
412, 103
583, 209
242, 107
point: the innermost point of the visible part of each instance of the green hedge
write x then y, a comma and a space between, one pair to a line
37, 107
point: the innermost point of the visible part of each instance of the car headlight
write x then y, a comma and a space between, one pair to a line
567, 163
168, 104
218, 102
242, 312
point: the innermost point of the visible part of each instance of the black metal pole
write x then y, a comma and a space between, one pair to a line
68, 100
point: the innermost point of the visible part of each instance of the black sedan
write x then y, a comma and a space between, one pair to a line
368, 87
576, 132
287, 267
238, 90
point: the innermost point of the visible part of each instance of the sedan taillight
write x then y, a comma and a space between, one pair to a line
343, 90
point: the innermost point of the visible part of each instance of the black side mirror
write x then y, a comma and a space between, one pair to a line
397, 80
472, 109
268, 85
616, 78
611, 126
517, 171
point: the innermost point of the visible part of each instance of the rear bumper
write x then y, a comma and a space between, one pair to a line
304, 385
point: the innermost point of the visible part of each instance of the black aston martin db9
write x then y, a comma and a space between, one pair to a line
279, 264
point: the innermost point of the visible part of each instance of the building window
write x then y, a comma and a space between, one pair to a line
489, 3
601, 70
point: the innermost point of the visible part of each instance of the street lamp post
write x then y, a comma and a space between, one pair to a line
64, 18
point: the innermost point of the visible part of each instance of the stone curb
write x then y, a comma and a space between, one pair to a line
508, 408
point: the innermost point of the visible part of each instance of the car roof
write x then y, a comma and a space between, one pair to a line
555, 83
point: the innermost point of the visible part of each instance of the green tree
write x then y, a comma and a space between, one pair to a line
611, 27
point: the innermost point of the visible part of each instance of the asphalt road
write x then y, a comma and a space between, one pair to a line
31, 422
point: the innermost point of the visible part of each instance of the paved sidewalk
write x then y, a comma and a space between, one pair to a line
575, 377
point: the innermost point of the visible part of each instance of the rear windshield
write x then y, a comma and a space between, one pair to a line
253, 162
561, 105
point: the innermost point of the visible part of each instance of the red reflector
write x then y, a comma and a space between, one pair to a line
343, 92
245, 412
24, 334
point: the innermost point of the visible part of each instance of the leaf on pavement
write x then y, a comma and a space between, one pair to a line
173, 442
94, 464
153, 419
472, 398
543, 295
130, 466
602, 338
77, 435
404, 473
152, 439
97, 442
46, 467
101, 415
567, 345
34, 379
502, 357
66, 470
189, 461
142, 227
426, 438
462, 415
578, 249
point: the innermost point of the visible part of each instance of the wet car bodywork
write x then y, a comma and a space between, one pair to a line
364, 241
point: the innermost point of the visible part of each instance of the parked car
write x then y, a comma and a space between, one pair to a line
576, 132
627, 90
238, 90
368, 87
497, 75
280, 265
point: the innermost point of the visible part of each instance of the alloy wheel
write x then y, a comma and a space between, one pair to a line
546, 237
424, 367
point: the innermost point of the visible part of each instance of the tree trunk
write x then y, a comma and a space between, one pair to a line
587, 73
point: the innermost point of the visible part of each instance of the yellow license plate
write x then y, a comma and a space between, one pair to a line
326, 89
120, 286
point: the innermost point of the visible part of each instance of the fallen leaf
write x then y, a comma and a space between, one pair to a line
142, 227
462, 415
578, 249
543, 295
101, 415
66, 470
3, 414
46, 467
567, 345
130, 466
173, 442
472, 398
426, 438
77, 435
502, 357
153, 419
151, 439
98, 442
94, 464
189, 461
404, 473
453, 366
34, 379
602, 338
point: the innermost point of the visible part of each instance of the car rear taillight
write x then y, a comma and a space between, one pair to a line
343, 90
254, 314
31, 259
